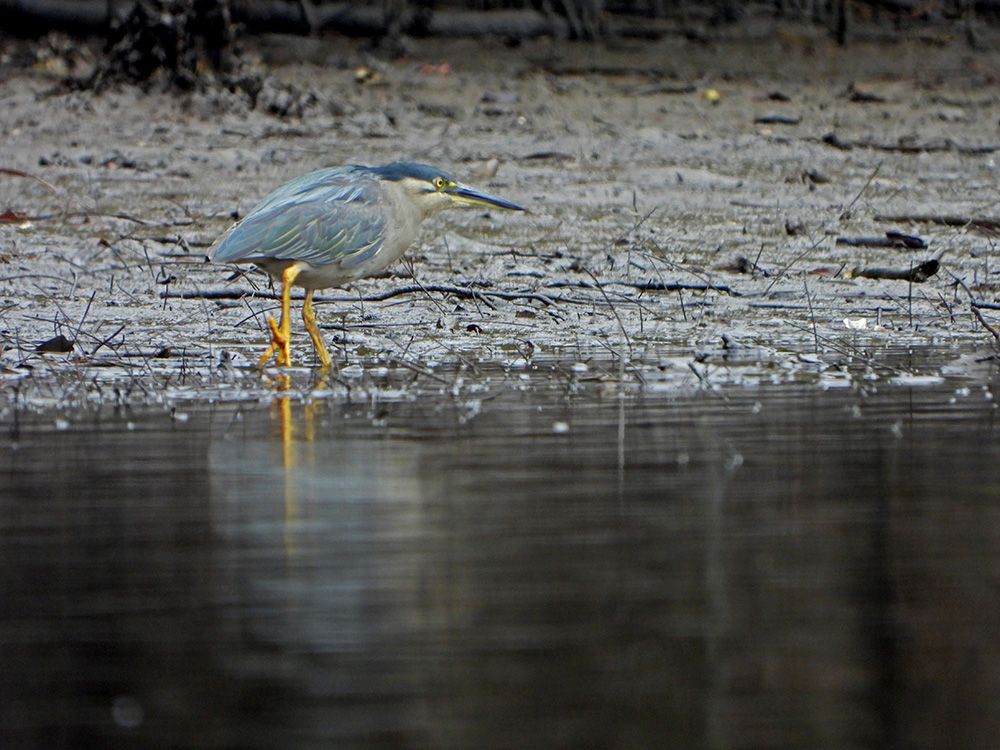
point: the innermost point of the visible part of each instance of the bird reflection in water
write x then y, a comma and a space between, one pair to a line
291, 446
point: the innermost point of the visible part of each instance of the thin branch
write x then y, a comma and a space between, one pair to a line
621, 325
846, 213
982, 321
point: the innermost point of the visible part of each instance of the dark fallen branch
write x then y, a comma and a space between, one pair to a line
916, 275
648, 286
908, 147
949, 220
467, 293
463, 292
891, 239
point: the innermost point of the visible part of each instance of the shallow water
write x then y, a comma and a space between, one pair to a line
765, 567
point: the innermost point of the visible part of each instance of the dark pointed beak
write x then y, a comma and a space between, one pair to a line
466, 196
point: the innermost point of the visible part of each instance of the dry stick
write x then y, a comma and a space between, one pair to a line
909, 298
982, 320
947, 306
791, 263
427, 294
812, 317
83, 318
846, 213
39, 180
625, 297
447, 253
107, 340
708, 285
59, 310
972, 300
678, 289
19, 173
621, 325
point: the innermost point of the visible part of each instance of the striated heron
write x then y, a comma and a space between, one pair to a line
333, 226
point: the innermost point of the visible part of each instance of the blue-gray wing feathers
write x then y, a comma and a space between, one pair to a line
328, 216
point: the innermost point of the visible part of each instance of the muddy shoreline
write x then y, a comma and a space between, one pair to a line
677, 238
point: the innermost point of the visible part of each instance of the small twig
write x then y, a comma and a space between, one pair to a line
424, 290
86, 312
982, 321
106, 341
846, 213
707, 285
621, 325
19, 173
812, 317
791, 263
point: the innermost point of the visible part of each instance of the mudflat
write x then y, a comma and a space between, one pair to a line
699, 214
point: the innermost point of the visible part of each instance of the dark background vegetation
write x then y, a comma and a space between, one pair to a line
516, 19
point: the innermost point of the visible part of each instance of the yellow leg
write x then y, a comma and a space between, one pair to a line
281, 336
309, 318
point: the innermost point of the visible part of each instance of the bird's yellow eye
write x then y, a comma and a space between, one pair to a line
440, 183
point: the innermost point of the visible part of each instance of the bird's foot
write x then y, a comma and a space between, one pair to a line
280, 346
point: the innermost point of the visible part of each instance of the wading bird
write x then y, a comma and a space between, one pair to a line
333, 226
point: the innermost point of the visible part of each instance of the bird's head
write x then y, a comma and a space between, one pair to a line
433, 190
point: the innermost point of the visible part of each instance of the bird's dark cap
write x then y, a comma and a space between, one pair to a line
399, 170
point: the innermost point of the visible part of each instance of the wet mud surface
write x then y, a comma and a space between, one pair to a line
685, 206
